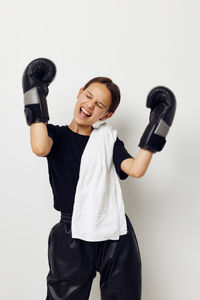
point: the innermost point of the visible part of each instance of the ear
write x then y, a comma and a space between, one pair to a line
80, 92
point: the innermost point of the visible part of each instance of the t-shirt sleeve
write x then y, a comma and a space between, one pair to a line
119, 154
52, 132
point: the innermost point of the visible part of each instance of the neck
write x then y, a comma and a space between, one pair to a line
81, 129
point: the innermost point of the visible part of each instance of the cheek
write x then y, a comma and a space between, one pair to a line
81, 101
98, 114
78, 103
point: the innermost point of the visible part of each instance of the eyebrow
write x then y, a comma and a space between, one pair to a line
92, 96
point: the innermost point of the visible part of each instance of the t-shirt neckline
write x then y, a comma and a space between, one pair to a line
76, 134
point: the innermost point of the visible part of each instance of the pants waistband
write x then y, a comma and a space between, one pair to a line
65, 217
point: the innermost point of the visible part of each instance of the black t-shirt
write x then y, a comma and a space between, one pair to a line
64, 163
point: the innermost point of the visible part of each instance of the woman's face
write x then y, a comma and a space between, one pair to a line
95, 99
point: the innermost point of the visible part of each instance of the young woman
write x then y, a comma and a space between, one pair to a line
73, 262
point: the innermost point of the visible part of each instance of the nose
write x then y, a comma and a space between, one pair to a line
90, 105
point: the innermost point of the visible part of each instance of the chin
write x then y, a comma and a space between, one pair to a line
78, 121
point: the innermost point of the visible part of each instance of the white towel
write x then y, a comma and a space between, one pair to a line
98, 212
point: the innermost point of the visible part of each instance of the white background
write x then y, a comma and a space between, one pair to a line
139, 45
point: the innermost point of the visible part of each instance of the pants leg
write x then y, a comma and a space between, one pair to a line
119, 265
71, 264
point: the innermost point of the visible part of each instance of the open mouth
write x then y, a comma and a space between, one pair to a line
83, 114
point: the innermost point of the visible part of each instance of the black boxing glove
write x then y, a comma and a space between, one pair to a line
162, 102
35, 81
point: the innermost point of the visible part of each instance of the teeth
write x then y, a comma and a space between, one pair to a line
85, 111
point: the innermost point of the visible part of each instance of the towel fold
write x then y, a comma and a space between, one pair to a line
98, 211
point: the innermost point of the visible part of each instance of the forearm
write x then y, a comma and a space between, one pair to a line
141, 162
39, 137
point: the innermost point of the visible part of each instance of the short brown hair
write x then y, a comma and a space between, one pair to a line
113, 88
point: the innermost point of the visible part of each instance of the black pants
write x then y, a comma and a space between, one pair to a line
73, 264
